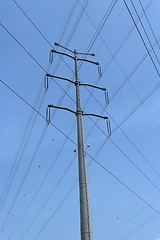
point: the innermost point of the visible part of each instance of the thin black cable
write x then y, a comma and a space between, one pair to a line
68, 21
128, 220
33, 24
128, 158
145, 14
139, 227
125, 39
144, 31
24, 178
38, 30
43, 181
141, 38
47, 199
56, 210
134, 70
23, 47
139, 98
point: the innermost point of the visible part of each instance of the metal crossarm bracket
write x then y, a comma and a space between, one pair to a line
93, 86
62, 108
94, 115
61, 53
62, 78
86, 60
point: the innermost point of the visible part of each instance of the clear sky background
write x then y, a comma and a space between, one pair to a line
39, 197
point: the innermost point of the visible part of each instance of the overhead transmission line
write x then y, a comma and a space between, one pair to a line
129, 220
7, 31
86, 152
118, 63
62, 89
156, 69
44, 180
148, 21
144, 31
7, 190
24, 178
134, 70
127, 78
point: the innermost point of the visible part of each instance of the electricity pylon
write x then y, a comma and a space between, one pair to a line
85, 215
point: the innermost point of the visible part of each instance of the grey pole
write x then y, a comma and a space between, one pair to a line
85, 216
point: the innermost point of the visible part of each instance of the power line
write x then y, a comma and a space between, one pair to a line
134, 70
100, 165
127, 78
145, 31
141, 38
43, 181
35, 28
24, 178
148, 22
43, 36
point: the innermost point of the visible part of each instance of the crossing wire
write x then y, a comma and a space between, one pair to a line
24, 48
127, 78
4, 198
129, 220
156, 69
24, 178
30, 55
21, 150
145, 14
99, 164
36, 29
134, 70
113, 57
145, 31
44, 180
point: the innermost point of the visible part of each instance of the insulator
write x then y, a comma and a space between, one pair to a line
48, 115
99, 71
109, 128
46, 83
50, 57
106, 97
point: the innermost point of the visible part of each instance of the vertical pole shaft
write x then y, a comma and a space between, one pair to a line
85, 216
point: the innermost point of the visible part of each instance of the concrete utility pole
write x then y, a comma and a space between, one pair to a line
85, 215
86, 225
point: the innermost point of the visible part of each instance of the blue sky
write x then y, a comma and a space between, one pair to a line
39, 195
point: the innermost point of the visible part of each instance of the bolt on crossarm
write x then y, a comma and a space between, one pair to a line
85, 215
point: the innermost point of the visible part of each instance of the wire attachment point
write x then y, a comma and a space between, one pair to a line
50, 56
99, 71
48, 115
106, 97
108, 128
46, 82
